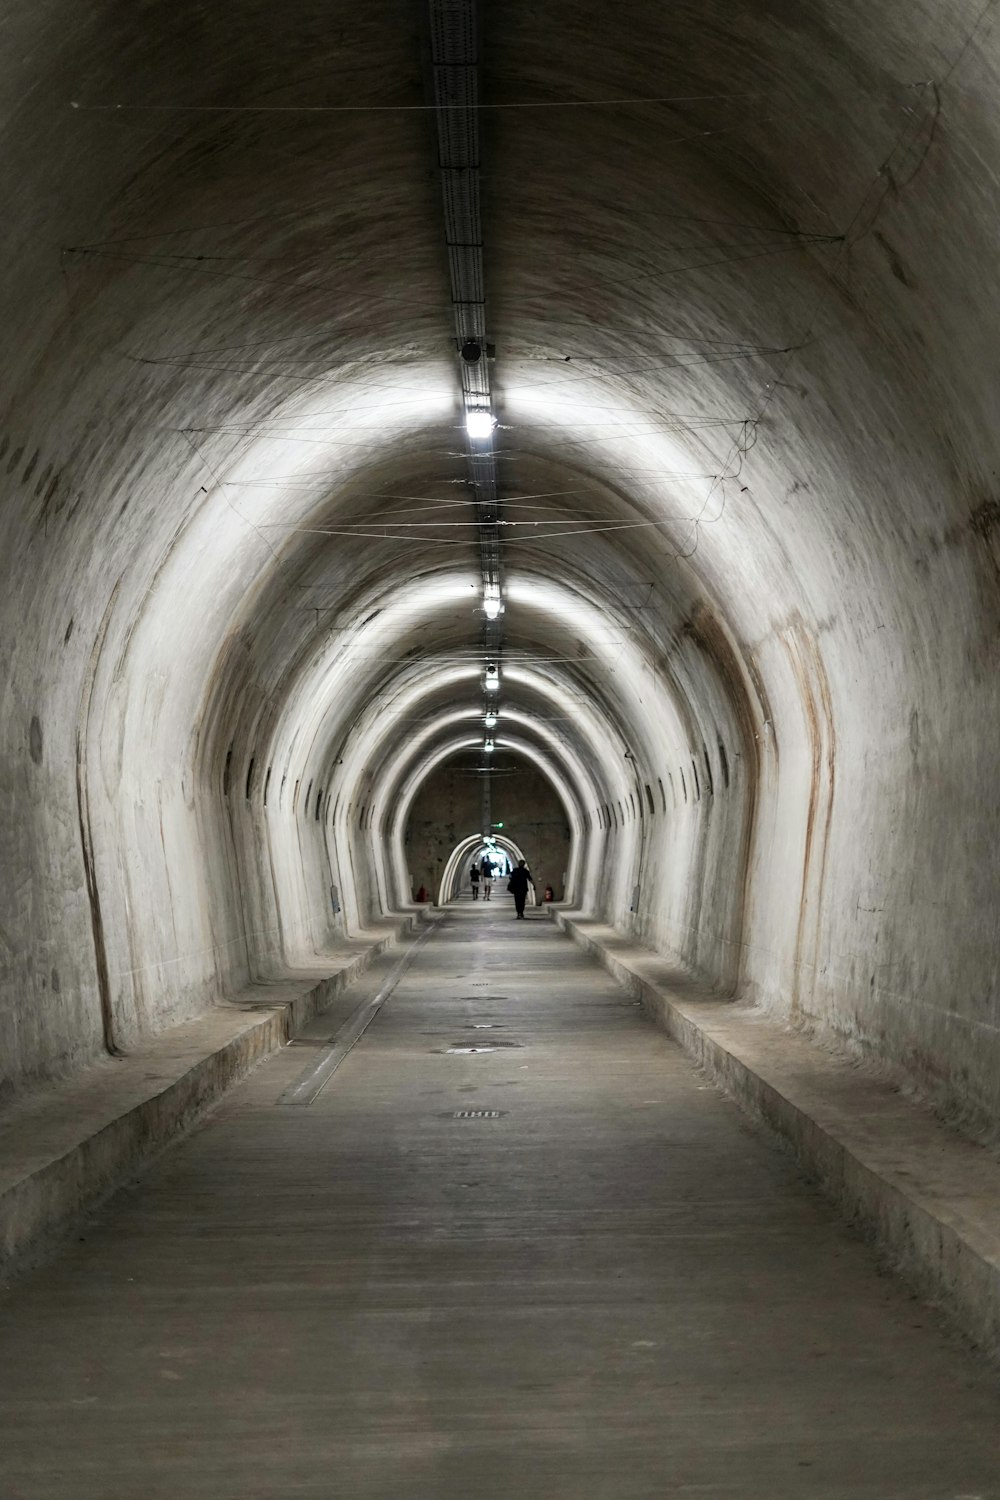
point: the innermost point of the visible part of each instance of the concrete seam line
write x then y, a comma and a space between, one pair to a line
311, 1083
936, 1255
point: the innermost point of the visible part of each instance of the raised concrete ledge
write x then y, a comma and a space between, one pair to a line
929, 1198
67, 1146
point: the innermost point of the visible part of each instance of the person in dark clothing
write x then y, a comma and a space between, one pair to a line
486, 869
518, 886
474, 877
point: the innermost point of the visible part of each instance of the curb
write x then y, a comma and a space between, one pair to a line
71, 1165
926, 1196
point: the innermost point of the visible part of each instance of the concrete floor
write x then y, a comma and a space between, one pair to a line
618, 1288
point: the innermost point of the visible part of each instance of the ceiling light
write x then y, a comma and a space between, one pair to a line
492, 680
491, 600
490, 721
479, 423
489, 747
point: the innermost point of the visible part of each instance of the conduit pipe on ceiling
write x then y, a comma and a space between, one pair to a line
454, 58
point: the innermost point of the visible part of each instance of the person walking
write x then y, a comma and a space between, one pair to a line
518, 884
486, 868
474, 877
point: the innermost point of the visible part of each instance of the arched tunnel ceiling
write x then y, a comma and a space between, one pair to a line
739, 280
255, 269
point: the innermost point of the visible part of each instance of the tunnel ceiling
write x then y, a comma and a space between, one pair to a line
705, 302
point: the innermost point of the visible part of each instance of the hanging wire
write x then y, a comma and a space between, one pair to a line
369, 108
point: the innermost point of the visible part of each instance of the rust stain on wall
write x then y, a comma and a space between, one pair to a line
94, 901
705, 629
86, 831
806, 662
984, 523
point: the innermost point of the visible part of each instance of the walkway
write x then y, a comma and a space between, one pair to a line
560, 1270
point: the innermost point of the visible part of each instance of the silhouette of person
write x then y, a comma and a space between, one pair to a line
486, 866
518, 886
474, 877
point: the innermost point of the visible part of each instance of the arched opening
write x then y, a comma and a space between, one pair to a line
533, 809
490, 860
472, 846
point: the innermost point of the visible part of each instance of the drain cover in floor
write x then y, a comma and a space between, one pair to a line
495, 1045
476, 1114
490, 1041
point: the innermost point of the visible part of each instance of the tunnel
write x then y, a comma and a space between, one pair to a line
568, 424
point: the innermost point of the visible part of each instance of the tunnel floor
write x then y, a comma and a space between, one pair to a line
608, 1284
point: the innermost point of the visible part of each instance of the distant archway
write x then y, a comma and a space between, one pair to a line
461, 852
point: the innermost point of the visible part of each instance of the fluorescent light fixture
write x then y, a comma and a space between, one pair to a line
490, 721
479, 423
489, 747
491, 601
492, 683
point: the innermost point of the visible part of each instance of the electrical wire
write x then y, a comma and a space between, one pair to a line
328, 109
245, 519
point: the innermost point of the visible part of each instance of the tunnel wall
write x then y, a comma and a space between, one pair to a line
674, 828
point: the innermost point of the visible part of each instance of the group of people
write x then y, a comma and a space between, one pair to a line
484, 871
